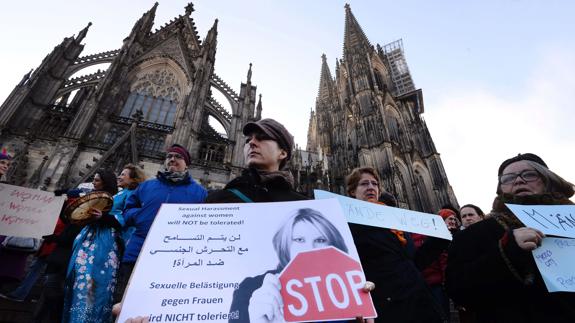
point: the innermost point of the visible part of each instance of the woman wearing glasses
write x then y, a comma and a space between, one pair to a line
491, 271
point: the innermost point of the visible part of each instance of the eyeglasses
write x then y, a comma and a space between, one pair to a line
526, 175
174, 155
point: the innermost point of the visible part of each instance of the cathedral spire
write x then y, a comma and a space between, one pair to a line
354, 37
83, 33
325, 79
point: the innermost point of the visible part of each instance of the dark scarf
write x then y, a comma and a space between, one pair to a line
508, 220
176, 178
267, 177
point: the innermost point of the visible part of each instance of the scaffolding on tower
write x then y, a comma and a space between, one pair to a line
400, 75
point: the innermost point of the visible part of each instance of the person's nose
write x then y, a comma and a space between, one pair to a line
253, 141
518, 180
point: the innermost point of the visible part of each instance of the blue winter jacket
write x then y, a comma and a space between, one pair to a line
144, 203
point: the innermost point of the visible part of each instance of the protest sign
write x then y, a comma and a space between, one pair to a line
207, 261
26, 212
555, 220
314, 291
556, 263
377, 215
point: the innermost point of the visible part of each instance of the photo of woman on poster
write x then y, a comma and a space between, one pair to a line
258, 298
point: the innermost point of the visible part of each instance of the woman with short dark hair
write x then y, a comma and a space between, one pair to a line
491, 270
470, 214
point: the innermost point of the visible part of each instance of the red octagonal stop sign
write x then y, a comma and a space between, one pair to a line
324, 284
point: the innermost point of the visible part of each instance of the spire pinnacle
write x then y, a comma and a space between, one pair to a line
259, 108
189, 8
250, 74
83, 33
325, 79
354, 36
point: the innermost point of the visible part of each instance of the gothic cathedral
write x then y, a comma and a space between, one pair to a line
371, 115
157, 90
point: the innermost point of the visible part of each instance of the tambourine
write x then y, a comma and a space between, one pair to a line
78, 212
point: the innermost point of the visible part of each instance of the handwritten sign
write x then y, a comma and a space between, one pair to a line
206, 261
555, 220
26, 212
556, 263
377, 215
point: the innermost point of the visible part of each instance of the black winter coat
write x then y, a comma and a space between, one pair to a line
250, 184
400, 293
489, 274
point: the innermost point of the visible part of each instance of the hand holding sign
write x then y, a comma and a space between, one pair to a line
266, 303
528, 238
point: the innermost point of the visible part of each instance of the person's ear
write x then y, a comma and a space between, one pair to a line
283, 154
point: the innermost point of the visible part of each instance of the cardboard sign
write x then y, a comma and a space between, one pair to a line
555, 220
26, 212
314, 291
208, 261
377, 215
556, 263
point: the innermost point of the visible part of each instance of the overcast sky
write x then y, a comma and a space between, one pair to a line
498, 77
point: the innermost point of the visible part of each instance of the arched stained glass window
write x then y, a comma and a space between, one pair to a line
156, 94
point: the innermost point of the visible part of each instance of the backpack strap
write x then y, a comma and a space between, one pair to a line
241, 195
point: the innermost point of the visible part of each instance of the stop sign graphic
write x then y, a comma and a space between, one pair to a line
324, 284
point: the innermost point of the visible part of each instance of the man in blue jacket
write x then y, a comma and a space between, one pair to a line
173, 184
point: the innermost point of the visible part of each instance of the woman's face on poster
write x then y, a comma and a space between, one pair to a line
306, 236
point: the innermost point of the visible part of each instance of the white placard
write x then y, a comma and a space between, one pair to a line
26, 212
196, 255
377, 215
555, 220
556, 263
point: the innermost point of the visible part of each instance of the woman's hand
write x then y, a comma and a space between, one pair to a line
95, 213
117, 308
266, 303
527, 238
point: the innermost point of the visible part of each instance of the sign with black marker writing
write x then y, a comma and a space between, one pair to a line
555, 261
366, 213
222, 262
555, 220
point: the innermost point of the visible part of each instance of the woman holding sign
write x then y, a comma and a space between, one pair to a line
491, 270
389, 260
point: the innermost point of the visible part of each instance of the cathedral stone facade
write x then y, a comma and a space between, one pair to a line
370, 114
155, 91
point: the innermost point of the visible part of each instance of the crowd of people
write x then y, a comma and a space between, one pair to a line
486, 273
